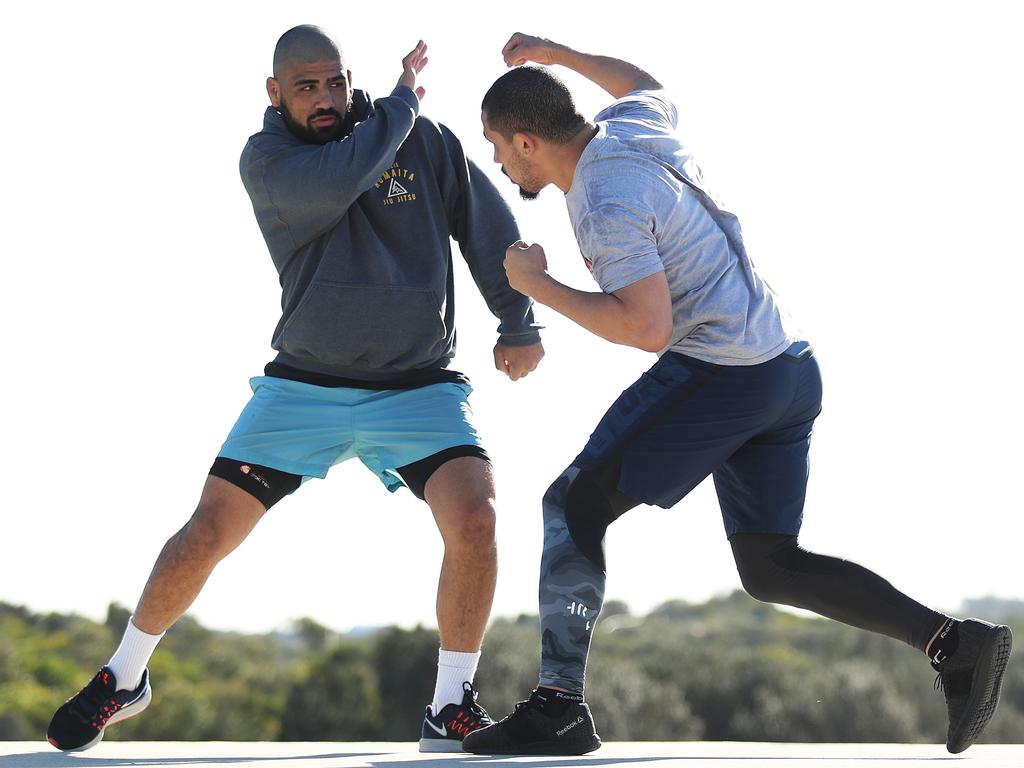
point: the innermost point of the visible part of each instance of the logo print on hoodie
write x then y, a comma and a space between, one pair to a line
395, 182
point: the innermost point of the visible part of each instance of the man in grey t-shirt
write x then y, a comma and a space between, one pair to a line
638, 209
732, 394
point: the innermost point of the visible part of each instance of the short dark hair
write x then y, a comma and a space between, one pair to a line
305, 43
534, 100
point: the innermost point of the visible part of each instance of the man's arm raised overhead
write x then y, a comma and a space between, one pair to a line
614, 75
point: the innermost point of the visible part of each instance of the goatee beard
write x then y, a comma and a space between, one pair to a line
305, 131
523, 193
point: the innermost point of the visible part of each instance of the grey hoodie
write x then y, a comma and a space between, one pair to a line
359, 232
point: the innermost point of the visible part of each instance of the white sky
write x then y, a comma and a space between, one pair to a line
872, 151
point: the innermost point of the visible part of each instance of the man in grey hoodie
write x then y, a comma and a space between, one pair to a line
357, 202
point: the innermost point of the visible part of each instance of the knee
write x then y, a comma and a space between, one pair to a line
578, 504
759, 583
555, 498
207, 535
756, 562
470, 524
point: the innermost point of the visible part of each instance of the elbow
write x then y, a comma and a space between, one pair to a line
644, 82
654, 343
655, 337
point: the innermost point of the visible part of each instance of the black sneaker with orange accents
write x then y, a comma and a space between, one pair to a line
81, 720
445, 731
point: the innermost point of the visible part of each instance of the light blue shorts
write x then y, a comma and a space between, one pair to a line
305, 429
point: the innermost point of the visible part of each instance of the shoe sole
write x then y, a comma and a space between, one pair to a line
984, 695
440, 745
543, 748
129, 710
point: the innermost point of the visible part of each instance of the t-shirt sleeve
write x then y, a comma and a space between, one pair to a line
651, 106
617, 241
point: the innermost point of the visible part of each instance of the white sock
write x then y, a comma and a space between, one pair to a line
453, 669
131, 657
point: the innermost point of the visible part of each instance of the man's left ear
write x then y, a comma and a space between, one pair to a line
524, 143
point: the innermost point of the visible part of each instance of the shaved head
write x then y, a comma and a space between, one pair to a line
305, 44
311, 88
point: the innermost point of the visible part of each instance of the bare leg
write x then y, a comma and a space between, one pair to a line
461, 497
225, 516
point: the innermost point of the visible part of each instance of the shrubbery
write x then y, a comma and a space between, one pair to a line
728, 669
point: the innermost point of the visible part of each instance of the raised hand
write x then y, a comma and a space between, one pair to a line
614, 75
412, 65
522, 48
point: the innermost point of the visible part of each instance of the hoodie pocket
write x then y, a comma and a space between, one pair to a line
366, 326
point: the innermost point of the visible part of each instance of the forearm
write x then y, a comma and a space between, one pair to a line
353, 164
615, 76
602, 314
482, 224
309, 181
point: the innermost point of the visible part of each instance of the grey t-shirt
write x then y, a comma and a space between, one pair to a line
638, 206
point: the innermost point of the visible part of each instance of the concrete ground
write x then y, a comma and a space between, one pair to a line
180, 754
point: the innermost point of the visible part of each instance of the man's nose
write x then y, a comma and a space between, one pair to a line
326, 99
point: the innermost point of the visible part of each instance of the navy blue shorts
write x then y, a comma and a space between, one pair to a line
748, 426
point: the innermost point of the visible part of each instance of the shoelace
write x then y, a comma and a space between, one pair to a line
514, 712
106, 713
954, 683
476, 709
90, 698
92, 705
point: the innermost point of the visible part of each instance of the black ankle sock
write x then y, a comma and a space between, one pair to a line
946, 642
554, 702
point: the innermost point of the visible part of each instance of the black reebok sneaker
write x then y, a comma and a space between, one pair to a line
445, 731
81, 720
548, 723
970, 679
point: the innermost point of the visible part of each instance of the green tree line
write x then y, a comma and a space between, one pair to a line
727, 669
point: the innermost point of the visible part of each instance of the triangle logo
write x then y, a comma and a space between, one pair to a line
396, 189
